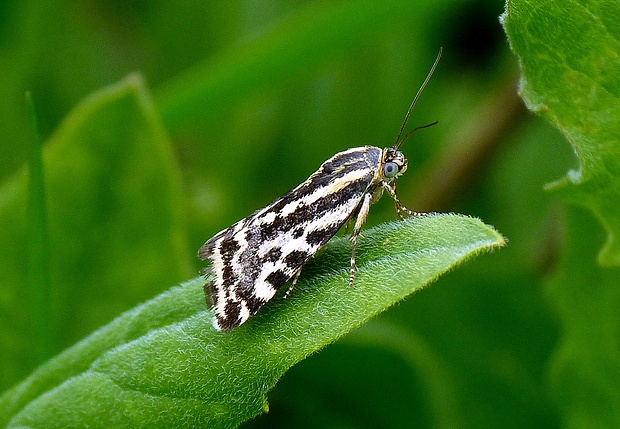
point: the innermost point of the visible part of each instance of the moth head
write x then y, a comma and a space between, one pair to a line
394, 164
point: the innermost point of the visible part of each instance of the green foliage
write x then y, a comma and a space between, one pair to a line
569, 55
248, 99
178, 370
112, 205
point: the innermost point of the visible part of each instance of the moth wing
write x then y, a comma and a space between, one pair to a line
252, 259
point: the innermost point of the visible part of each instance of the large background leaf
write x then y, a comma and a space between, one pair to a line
570, 59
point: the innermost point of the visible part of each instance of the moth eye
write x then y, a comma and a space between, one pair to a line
390, 169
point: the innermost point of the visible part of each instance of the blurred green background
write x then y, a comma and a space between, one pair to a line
247, 99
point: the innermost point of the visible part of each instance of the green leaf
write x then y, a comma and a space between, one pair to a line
113, 225
570, 60
163, 364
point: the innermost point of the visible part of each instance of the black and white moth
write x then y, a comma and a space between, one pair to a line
254, 258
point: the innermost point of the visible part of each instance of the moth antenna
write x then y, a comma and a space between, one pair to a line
416, 129
398, 141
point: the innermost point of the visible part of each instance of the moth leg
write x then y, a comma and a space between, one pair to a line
293, 283
359, 222
400, 208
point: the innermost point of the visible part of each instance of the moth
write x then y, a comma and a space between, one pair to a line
255, 257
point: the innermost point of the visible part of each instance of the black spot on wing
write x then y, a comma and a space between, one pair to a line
229, 247
269, 231
319, 237
273, 254
253, 303
230, 318
232, 309
296, 259
277, 278
228, 275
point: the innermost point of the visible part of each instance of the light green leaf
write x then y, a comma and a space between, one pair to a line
570, 60
163, 364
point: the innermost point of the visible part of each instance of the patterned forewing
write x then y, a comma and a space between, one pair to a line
252, 259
